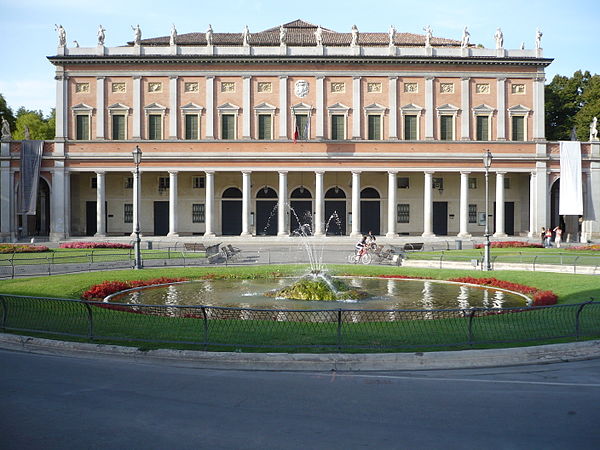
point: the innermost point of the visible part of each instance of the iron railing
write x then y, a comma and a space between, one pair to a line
211, 327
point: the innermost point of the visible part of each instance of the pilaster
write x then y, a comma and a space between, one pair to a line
246, 91
465, 100
356, 114
393, 100
173, 101
137, 107
283, 107
501, 102
100, 107
210, 107
320, 107
429, 111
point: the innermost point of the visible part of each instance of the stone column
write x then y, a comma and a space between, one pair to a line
173, 101
61, 107
427, 206
391, 228
246, 174
137, 188
209, 203
533, 228
283, 107
501, 102
246, 107
356, 110
542, 196
318, 222
465, 105
355, 204
210, 107
320, 107
137, 108
429, 112
100, 108
173, 204
592, 208
538, 109
100, 204
464, 205
57, 202
282, 225
393, 99
499, 205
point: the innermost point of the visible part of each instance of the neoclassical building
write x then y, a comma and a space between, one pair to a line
253, 133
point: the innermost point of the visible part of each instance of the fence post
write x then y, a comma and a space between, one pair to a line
577, 317
574, 264
470, 326
4, 311
49, 267
12, 266
90, 321
441, 259
205, 321
339, 329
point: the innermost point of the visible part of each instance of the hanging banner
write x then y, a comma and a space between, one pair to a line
571, 192
31, 160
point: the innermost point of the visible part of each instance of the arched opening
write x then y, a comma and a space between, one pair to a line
571, 225
38, 224
266, 212
335, 212
370, 207
231, 212
301, 210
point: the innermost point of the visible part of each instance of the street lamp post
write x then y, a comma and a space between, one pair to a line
137, 159
487, 162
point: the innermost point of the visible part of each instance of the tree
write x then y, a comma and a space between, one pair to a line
6, 112
40, 127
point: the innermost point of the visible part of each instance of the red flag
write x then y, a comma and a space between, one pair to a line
296, 134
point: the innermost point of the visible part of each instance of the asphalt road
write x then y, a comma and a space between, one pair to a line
64, 402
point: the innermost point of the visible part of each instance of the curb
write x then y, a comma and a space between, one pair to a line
464, 359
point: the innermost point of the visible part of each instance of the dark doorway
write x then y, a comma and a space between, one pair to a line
370, 211
91, 225
161, 218
509, 218
335, 212
440, 218
301, 211
554, 204
231, 212
266, 212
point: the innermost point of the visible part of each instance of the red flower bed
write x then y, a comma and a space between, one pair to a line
540, 298
585, 247
22, 248
511, 244
100, 291
94, 245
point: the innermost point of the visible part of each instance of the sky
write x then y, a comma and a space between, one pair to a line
570, 29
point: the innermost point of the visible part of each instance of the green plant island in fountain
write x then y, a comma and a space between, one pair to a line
318, 286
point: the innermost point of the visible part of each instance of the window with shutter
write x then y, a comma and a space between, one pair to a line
227, 126
83, 127
337, 127
483, 128
403, 213
446, 125
410, 128
374, 124
154, 127
198, 213
302, 126
118, 127
518, 128
264, 126
191, 126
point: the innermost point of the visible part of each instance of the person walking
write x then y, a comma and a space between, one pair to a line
557, 236
543, 236
548, 240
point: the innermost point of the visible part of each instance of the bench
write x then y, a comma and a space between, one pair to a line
194, 247
412, 246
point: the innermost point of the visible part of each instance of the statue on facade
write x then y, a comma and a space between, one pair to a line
391, 35
101, 35
76, 44
26, 134
5, 129
538, 39
282, 35
246, 36
173, 37
499, 36
319, 36
465, 38
62, 35
593, 129
522, 45
428, 36
209, 35
354, 42
137, 35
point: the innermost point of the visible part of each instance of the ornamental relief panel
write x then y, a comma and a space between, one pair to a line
118, 88
82, 87
155, 86
518, 88
447, 88
301, 88
374, 88
483, 88
227, 86
338, 87
190, 86
412, 88
264, 87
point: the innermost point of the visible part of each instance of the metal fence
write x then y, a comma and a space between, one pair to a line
213, 328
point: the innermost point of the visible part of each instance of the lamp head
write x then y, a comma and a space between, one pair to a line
137, 155
487, 158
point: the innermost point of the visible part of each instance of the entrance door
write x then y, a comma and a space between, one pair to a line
369, 217
509, 218
335, 217
266, 217
91, 226
301, 215
440, 218
161, 218
231, 212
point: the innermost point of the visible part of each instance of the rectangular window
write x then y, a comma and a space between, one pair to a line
128, 213
163, 184
518, 128
472, 213
374, 128
403, 213
483, 128
337, 127
83, 127
227, 126
264, 126
410, 128
437, 183
446, 128
301, 126
128, 183
118, 127
94, 183
154, 127
198, 213
403, 183
506, 183
472, 183
191, 126
198, 182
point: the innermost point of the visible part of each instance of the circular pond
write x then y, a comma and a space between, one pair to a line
384, 294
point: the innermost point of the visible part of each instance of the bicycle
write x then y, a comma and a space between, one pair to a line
363, 256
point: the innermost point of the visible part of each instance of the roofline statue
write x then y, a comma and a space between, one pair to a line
101, 35
209, 35
428, 36
62, 35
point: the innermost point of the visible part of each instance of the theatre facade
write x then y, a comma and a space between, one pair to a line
250, 134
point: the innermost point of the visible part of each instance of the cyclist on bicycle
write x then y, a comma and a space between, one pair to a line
361, 246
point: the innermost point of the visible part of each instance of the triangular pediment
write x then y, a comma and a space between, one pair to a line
338, 107
191, 107
411, 107
483, 109
82, 107
519, 109
448, 108
375, 107
155, 107
264, 106
301, 107
228, 107
118, 106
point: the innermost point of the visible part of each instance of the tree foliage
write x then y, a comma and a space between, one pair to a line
571, 102
7, 112
40, 127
